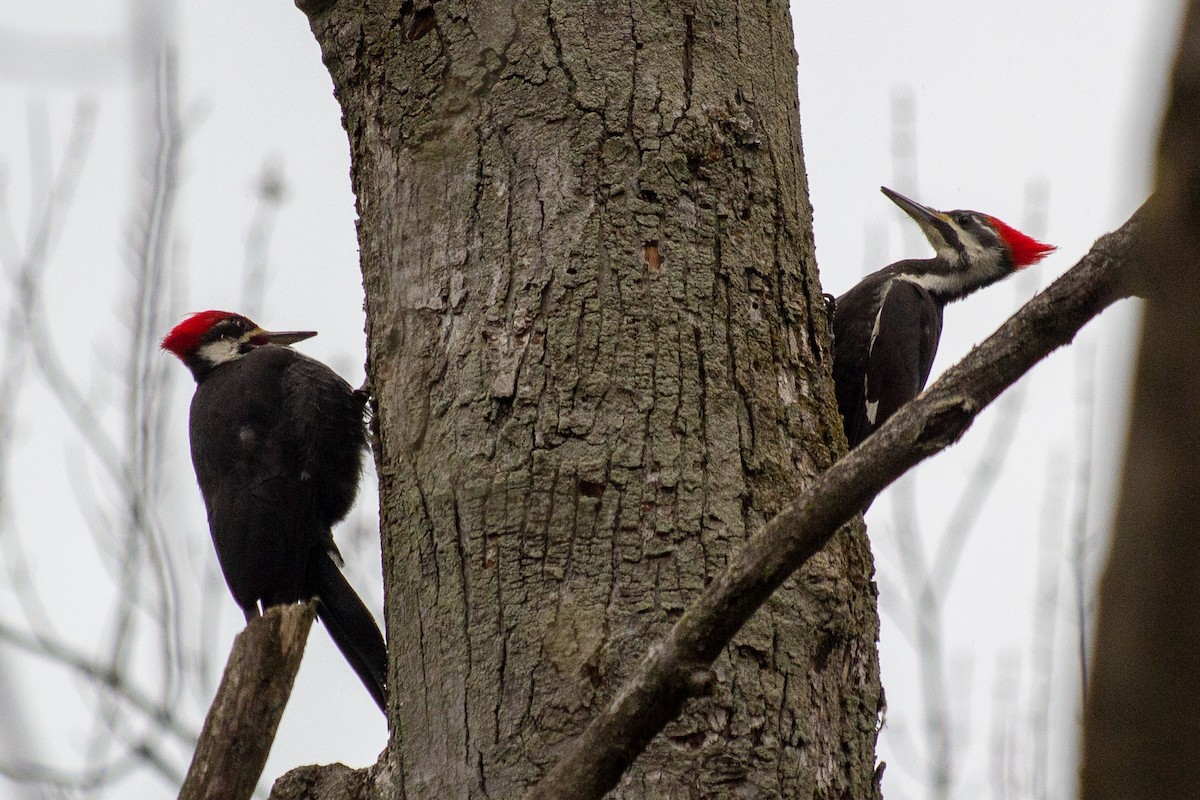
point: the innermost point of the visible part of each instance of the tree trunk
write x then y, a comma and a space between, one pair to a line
1141, 738
599, 352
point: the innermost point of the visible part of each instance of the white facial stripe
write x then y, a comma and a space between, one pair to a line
981, 265
944, 250
219, 351
982, 259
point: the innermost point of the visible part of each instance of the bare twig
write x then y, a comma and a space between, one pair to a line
138, 549
116, 682
1004, 757
1045, 624
1081, 579
669, 672
131, 460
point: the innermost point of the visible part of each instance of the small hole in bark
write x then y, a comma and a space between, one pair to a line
422, 23
753, 653
500, 410
654, 258
591, 489
824, 651
590, 671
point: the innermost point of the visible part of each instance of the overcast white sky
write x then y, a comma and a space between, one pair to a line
1043, 114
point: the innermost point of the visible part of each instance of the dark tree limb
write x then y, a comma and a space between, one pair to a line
673, 669
244, 716
1141, 737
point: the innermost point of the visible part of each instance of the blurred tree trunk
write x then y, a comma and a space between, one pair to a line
598, 346
1141, 737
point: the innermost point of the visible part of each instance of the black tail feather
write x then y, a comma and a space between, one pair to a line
351, 626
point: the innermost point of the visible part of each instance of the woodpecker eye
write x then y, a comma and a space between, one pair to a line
231, 328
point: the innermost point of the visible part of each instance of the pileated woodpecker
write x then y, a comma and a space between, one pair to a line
277, 442
886, 329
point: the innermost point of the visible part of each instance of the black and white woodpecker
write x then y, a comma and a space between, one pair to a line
277, 443
886, 329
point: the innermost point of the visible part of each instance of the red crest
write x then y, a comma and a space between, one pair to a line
186, 336
1025, 249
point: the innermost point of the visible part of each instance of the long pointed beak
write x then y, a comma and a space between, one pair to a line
260, 337
922, 214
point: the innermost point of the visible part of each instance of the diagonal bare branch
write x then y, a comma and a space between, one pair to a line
678, 666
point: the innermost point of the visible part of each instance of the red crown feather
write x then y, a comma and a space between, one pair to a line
185, 336
1025, 249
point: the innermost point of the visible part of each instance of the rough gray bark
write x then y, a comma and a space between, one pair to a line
597, 347
1141, 738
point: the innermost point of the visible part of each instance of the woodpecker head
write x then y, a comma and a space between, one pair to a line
207, 339
973, 249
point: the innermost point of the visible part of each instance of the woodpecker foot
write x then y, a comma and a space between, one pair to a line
363, 395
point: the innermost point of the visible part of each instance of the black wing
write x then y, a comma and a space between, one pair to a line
899, 354
901, 351
325, 416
